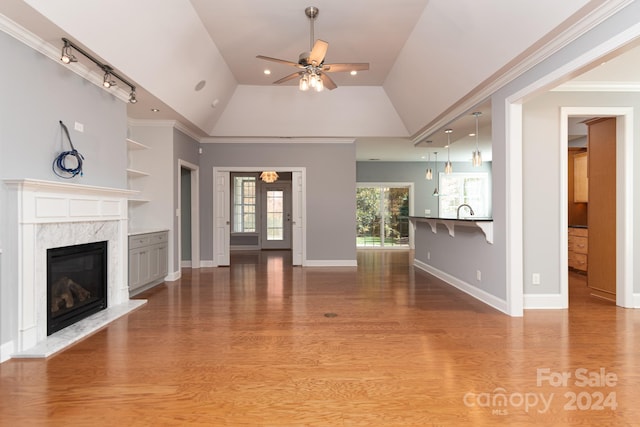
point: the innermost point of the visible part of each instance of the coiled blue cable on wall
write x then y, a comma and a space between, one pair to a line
60, 161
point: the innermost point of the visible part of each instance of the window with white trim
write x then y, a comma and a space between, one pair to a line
471, 188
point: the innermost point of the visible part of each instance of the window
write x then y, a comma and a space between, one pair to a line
244, 204
461, 187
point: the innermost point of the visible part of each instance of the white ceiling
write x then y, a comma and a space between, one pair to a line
426, 55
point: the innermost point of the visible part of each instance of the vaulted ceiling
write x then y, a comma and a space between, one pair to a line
195, 60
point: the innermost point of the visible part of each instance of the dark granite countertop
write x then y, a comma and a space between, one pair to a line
470, 218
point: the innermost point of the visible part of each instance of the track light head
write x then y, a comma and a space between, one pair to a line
132, 97
67, 56
108, 80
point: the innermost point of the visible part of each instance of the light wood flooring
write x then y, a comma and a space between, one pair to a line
263, 344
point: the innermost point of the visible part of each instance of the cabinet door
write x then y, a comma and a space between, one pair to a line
139, 272
580, 179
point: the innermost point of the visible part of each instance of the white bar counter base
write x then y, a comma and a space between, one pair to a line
484, 224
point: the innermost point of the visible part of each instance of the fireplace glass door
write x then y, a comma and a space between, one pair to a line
76, 283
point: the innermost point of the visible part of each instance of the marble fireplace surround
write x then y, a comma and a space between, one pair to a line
56, 214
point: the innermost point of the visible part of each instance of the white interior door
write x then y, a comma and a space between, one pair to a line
297, 203
221, 222
276, 215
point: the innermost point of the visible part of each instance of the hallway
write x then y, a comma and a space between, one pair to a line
264, 343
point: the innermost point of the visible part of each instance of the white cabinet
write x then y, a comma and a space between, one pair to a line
148, 260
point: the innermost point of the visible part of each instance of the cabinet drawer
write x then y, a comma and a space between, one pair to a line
578, 261
156, 238
578, 244
139, 241
581, 232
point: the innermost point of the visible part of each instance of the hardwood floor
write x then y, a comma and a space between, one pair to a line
263, 344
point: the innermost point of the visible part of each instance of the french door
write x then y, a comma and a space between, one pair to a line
382, 216
276, 215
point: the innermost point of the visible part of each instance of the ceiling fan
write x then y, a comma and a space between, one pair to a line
312, 69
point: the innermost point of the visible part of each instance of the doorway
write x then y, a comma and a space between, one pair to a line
382, 215
621, 211
188, 215
222, 212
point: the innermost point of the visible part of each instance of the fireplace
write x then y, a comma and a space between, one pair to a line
76, 283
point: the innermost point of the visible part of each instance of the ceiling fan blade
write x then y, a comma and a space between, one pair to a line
287, 78
327, 82
356, 66
281, 61
318, 52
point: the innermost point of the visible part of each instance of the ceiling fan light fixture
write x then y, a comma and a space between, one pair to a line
304, 83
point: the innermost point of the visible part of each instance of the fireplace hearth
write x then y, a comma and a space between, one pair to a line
76, 283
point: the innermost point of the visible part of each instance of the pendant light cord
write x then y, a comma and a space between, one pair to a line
59, 161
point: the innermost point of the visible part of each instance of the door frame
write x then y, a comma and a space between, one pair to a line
221, 223
195, 212
624, 198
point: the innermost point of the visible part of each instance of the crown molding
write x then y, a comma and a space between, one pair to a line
275, 140
166, 124
597, 86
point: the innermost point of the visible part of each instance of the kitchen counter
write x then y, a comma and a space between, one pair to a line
483, 223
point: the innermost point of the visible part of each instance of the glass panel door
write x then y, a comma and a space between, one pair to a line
276, 215
382, 216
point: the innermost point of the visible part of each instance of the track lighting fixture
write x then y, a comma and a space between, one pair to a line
67, 56
448, 167
108, 81
110, 75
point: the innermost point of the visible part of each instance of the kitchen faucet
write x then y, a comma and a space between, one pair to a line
464, 204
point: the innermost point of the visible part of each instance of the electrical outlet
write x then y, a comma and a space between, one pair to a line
428, 255
535, 278
79, 127
427, 212
478, 275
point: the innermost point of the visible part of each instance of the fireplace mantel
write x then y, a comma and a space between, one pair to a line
53, 214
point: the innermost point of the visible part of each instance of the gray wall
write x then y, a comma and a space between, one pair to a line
36, 93
413, 172
331, 186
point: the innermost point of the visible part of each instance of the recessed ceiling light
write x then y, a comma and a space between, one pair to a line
354, 72
472, 134
155, 110
267, 71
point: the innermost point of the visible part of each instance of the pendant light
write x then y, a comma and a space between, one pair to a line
448, 168
435, 192
476, 160
429, 174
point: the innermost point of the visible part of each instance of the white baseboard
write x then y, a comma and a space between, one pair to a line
204, 263
465, 287
185, 264
636, 301
6, 350
330, 263
544, 302
172, 277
